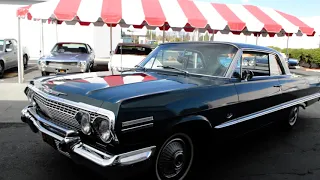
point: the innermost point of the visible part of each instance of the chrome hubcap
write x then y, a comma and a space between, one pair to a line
293, 116
174, 159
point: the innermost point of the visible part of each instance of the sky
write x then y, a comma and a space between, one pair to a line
300, 8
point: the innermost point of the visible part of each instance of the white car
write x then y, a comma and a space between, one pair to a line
128, 55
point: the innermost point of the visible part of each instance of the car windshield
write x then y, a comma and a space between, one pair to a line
70, 48
198, 58
132, 49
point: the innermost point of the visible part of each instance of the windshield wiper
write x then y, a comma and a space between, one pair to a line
171, 67
135, 68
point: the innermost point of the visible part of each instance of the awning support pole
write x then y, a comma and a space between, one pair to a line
163, 33
257, 38
42, 39
111, 40
212, 36
288, 47
196, 35
19, 54
57, 37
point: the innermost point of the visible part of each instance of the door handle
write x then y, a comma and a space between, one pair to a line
277, 86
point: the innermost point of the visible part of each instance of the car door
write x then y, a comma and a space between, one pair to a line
8, 54
14, 54
255, 95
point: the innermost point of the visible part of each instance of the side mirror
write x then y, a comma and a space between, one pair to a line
8, 50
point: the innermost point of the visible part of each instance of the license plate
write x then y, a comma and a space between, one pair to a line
62, 70
50, 140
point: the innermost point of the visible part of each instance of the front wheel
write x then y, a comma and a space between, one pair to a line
292, 118
25, 62
175, 158
1, 69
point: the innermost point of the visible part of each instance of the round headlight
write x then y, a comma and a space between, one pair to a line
104, 131
103, 128
84, 120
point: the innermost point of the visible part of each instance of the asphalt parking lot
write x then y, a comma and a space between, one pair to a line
270, 154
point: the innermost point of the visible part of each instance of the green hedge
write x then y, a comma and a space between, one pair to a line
307, 55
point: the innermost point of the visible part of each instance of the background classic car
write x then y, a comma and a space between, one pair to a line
9, 55
67, 57
168, 108
128, 55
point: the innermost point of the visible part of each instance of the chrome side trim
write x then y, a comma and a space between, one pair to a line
268, 111
96, 156
137, 121
138, 127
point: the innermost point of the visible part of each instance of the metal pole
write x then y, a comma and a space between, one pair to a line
203, 36
212, 36
19, 54
163, 33
288, 47
150, 35
257, 39
57, 31
42, 39
110, 39
246, 38
196, 35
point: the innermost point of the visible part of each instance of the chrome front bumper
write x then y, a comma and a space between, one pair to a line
69, 143
67, 68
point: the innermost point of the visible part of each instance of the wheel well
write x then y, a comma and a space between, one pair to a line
1, 62
196, 128
302, 105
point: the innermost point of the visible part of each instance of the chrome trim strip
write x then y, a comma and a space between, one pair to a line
138, 127
96, 156
268, 111
137, 121
80, 105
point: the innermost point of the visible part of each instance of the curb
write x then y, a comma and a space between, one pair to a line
313, 70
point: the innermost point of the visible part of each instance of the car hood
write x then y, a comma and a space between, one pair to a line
115, 88
66, 57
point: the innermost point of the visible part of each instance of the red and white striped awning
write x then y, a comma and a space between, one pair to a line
176, 14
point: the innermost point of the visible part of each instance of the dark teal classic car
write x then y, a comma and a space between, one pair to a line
159, 116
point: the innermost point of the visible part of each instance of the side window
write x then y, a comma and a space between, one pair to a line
14, 42
9, 45
275, 68
89, 48
256, 62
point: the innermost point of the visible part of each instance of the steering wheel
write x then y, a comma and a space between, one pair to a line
247, 75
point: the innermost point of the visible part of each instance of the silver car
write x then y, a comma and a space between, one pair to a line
8, 55
66, 58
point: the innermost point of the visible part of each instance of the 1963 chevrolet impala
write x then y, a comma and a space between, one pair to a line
156, 117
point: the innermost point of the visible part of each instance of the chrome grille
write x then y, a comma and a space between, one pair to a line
62, 63
60, 113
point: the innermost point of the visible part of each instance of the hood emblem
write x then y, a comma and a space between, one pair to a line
50, 91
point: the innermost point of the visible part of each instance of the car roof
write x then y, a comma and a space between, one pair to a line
135, 44
238, 45
70, 43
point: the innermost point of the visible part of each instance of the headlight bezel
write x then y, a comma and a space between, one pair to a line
81, 122
96, 123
